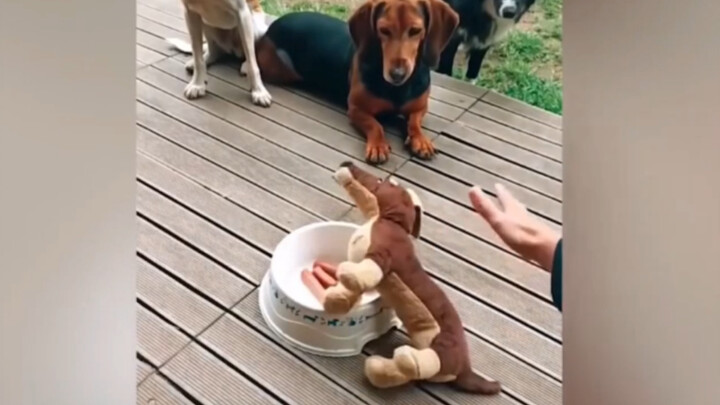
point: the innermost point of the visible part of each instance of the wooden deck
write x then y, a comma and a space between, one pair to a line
220, 182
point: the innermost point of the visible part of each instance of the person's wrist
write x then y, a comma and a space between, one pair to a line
543, 250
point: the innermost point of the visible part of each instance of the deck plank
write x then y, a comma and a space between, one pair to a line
143, 370
457, 99
519, 156
224, 183
160, 31
282, 373
458, 191
523, 109
175, 302
190, 266
154, 43
457, 86
170, 7
241, 258
518, 122
147, 56
241, 222
455, 156
258, 161
162, 17
209, 381
156, 390
158, 341
512, 136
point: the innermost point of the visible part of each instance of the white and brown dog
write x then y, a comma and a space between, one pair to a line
230, 27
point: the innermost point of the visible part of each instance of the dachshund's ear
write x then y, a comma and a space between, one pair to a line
440, 24
362, 22
415, 231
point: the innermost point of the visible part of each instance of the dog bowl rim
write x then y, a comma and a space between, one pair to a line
368, 299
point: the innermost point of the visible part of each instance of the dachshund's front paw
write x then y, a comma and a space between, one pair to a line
377, 152
421, 146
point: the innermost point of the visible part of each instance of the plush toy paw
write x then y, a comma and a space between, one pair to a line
382, 373
338, 300
406, 362
349, 278
342, 176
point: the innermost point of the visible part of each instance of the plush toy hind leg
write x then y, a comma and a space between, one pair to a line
407, 364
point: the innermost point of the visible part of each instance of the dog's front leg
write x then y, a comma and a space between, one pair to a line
419, 144
377, 149
196, 87
260, 95
447, 57
475, 60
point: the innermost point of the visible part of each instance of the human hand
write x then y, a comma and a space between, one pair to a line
530, 238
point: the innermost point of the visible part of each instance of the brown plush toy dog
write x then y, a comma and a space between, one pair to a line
381, 256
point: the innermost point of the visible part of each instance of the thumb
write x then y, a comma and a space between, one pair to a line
484, 206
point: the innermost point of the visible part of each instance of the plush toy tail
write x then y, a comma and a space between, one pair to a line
472, 383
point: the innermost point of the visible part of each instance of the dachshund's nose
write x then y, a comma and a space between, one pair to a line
508, 11
398, 74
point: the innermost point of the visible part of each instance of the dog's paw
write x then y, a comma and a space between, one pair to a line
421, 146
377, 152
194, 90
261, 97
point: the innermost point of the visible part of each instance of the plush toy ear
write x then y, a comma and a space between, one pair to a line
441, 22
362, 23
415, 232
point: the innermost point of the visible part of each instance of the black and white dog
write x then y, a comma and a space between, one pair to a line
483, 23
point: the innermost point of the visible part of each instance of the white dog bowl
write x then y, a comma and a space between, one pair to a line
293, 313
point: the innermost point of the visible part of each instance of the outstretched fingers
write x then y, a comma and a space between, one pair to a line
485, 207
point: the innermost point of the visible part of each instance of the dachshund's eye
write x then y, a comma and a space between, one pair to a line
385, 32
414, 31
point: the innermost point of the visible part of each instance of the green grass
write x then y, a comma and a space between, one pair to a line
279, 7
527, 66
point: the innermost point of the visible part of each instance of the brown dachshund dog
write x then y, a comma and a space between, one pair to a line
379, 63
